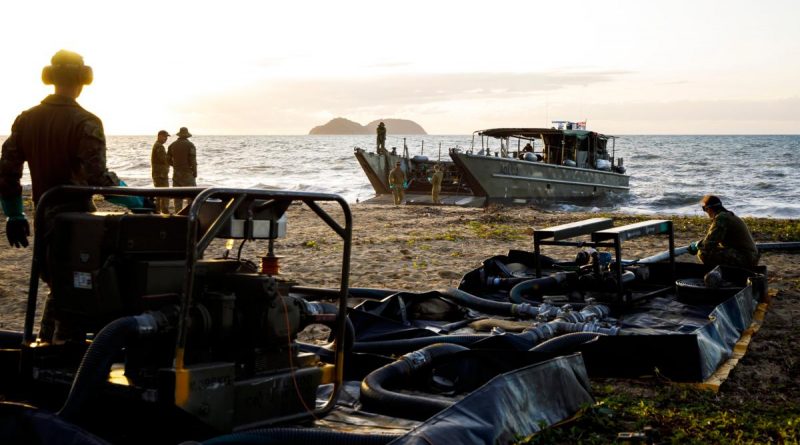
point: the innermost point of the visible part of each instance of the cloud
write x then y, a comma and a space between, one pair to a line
294, 104
460, 103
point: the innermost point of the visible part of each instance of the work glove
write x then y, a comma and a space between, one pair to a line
405, 184
17, 231
17, 227
694, 247
131, 202
391, 186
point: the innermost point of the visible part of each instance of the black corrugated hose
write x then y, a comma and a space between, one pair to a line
375, 397
97, 361
299, 436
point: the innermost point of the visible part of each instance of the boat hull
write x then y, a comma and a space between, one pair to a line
516, 181
417, 171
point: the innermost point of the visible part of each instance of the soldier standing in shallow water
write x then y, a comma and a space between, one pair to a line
159, 164
728, 241
381, 143
182, 156
397, 180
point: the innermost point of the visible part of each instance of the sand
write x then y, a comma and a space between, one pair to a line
421, 248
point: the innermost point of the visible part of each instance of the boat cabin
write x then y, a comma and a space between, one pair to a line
565, 144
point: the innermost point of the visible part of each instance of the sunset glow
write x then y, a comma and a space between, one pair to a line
283, 67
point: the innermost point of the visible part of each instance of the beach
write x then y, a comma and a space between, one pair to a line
420, 248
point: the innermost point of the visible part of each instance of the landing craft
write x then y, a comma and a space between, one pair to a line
515, 166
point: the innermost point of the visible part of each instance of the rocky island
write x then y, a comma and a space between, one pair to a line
341, 125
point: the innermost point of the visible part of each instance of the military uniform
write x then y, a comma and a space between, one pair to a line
728, 242
397, 180
436, 185
63, 144
182, 157
160, 168
381, 130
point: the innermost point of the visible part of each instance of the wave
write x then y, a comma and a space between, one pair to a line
669, 174
764, 185
648, 157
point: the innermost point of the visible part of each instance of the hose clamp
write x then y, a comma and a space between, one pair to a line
417, 359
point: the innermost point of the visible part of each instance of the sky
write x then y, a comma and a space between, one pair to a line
283, 67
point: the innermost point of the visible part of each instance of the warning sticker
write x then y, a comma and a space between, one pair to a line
82, 280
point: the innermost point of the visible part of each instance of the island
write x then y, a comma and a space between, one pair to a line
344, 126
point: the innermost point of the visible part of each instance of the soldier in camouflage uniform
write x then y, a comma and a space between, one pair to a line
436, 184
381, 130
159, 164
182, 157
397, 180
63, 144
728, 241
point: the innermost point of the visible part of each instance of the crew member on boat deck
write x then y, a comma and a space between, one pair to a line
397, 181
528, 148
160, 169
63, 144
381, 130
182, 156
436, 184
728, 240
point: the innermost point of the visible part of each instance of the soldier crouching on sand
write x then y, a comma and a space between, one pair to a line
728, 241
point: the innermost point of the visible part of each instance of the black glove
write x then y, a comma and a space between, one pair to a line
17, 231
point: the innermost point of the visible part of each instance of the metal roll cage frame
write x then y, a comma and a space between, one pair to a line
196, 246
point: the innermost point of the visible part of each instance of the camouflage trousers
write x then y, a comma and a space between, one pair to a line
162, 204
435, 194
728, 257
182, 179
398, 194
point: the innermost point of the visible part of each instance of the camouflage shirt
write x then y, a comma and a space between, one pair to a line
62, 143
729, 231
182, 157
159, 162
381, 133
397, 177
436, 179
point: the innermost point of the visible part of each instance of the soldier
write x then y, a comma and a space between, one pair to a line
728, 241
397, 181
63, 144
160, 169
436, 184
381, 138
182, 157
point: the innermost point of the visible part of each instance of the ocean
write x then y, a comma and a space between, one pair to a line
754, 175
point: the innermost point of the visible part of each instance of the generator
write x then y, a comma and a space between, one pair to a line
141, 315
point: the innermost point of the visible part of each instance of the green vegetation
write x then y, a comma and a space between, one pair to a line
677, 415
763, 229
448, 235
503, 232
774, 229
